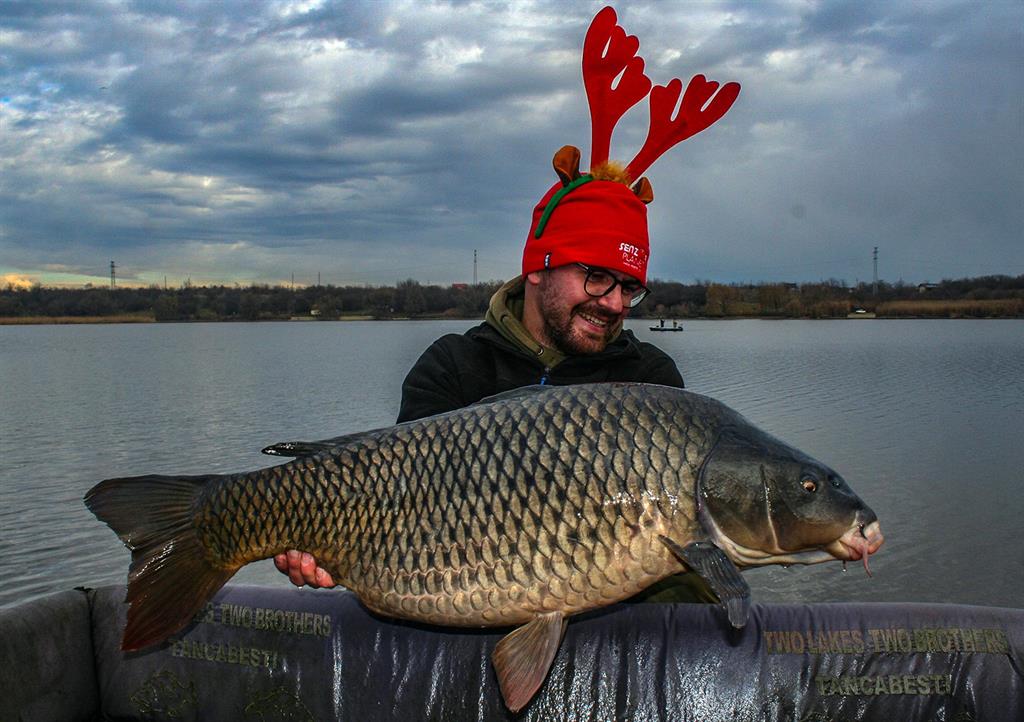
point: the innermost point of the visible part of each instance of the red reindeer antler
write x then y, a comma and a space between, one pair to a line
693, 116
609, 53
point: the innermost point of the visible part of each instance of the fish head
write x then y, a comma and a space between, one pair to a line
764, 502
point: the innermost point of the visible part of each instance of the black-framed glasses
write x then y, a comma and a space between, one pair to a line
600, 282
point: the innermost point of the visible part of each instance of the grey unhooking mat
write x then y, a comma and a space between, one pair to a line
261, 653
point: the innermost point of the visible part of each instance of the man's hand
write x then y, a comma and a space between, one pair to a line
302, 570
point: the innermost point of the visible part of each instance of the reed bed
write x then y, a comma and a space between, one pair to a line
966, 308
118, 318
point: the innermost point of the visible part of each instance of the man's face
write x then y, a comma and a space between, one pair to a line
575, 322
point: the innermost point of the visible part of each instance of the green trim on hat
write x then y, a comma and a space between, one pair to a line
562, 193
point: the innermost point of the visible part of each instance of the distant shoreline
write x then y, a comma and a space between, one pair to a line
983, 297
96, 320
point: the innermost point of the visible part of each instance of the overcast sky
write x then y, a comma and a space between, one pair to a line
371, 142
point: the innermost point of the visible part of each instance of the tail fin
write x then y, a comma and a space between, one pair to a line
170, 577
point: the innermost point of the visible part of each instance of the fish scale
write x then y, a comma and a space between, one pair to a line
529, 490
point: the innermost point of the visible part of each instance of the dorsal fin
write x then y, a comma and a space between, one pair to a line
299, 448
523, 392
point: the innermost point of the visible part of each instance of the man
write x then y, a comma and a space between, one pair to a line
560, 322
557, 326
585, 261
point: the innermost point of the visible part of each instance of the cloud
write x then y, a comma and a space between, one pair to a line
235, 140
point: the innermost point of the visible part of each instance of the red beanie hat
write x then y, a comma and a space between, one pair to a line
604, 222
596, 222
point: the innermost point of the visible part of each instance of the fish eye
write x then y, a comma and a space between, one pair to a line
809, 485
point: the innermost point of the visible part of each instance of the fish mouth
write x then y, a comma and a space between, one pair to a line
858, 543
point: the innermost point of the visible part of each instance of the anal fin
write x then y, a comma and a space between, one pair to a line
523, 658
717, 569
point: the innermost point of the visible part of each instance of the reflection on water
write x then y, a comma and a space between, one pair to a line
923, 418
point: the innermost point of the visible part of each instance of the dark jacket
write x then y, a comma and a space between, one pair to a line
456, 371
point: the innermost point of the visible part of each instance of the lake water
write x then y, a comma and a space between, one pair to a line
925, 419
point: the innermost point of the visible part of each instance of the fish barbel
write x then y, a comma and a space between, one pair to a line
523, 509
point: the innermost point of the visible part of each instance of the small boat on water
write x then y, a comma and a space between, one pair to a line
676, 326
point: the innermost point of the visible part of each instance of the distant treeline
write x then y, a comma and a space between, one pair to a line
981, 297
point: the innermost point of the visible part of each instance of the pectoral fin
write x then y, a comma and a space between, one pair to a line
715, 568
523, 658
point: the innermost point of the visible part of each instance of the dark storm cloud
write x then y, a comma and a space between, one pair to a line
238, 140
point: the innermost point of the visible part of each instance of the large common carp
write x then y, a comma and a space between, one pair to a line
523, 509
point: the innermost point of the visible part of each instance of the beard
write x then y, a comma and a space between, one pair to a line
565, 335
